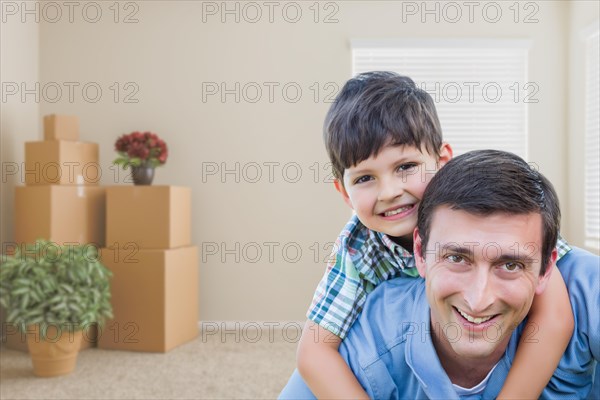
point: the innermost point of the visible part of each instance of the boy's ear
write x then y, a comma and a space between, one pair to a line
418, 252
445, 154
339, 186
543, 281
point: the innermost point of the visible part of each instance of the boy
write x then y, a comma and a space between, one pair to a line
384, 140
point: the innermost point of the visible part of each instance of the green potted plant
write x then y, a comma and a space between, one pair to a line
142, 152
54, 293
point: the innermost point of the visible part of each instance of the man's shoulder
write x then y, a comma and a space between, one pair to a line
398, 295
579, 265
580, 270
375, 348
579, 254
387, 316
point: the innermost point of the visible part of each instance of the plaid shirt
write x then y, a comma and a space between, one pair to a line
361, 260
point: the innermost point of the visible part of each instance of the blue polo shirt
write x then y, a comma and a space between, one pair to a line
390, 351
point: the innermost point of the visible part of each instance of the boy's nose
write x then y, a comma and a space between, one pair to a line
390, 189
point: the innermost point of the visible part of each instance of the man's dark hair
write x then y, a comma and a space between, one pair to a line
485, 182
376, 109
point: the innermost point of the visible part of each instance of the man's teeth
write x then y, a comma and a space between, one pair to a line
397, 211
473, 319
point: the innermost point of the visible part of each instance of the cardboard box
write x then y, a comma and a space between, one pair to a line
61, 162
61, 127
154, 299
148, 217
60, 213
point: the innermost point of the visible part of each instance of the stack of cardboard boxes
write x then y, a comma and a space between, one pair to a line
61, 200
143, 233
155, 269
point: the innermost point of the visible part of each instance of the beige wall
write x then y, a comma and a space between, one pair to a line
171, 52
581, 18
19, 120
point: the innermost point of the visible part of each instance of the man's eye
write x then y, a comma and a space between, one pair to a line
363, 179
454, 258
512, 266
407, 167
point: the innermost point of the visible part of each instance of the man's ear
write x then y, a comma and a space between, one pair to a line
418, 252
543, 281
445, 154
339, 186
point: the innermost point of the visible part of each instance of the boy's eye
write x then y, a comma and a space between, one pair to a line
407, 166
363, 179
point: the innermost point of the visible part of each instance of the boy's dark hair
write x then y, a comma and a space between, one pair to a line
375, 109
485, 182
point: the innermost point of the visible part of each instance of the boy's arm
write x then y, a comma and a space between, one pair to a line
323, 368
544, 340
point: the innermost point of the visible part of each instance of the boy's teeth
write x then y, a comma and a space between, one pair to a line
473, 319
397, 211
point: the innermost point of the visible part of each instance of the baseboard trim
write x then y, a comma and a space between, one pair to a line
248, 325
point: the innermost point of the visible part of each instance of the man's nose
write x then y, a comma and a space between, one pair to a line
479, 294
390, 189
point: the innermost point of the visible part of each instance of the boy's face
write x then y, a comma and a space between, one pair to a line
385, 190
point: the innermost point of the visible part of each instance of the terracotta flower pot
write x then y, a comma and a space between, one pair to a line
56, 354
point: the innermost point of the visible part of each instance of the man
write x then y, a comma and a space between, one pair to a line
485, 244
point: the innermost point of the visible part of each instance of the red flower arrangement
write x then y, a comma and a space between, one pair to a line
139, 148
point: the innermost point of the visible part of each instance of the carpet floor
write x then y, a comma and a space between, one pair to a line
210, 367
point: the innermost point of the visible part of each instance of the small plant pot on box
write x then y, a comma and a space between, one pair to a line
142, 152
53, 352
142, 175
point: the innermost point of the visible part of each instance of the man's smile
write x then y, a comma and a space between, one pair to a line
473, 319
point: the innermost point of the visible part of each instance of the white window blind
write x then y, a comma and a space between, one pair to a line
480, 87
592, 142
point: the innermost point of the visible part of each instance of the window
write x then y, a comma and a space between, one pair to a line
592, 142
479, 86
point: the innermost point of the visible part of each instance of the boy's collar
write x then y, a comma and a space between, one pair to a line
393, 246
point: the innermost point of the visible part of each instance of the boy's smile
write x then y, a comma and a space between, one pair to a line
385, 190
395, 213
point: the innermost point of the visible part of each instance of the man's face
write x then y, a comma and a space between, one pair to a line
385, 190
481, 275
